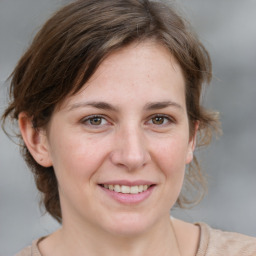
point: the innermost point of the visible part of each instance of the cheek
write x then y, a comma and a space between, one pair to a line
171, 160
172, 154
172, 165
77, 158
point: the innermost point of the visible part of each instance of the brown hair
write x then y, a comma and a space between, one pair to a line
72, 44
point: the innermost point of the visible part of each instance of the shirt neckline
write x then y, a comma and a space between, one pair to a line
202, 248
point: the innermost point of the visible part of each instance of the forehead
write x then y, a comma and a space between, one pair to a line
139, 58
139, 70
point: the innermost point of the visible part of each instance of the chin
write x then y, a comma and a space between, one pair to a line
129, 224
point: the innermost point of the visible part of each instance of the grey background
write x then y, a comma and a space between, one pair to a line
228, 30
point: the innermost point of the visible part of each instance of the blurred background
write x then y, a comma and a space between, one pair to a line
228, 30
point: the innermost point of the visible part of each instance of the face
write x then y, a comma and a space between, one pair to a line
119, 147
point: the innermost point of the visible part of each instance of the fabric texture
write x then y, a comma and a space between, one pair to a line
213, 242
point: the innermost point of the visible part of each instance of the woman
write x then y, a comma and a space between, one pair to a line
107, 99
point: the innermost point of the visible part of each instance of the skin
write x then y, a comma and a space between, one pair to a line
141, 132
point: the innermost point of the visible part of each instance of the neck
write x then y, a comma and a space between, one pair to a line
81, 240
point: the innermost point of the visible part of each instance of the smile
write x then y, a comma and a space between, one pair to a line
126, 189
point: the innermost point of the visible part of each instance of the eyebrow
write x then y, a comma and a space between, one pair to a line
161, 105
96, 104
106, 106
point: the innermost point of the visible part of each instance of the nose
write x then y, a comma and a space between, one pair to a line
130, 150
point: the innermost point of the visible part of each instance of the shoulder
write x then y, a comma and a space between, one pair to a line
25, 252
31, 250
217, 242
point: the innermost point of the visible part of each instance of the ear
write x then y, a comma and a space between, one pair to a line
35, 140
192, 144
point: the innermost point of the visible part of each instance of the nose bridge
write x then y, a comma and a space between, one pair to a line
131, 150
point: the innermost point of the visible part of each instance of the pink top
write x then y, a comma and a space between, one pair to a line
213, 242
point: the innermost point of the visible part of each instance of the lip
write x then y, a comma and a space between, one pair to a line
128, 183
128, 199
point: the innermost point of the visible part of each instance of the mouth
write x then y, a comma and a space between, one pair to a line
124, 189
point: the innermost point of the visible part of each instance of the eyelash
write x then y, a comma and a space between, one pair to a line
166, 120
88, 119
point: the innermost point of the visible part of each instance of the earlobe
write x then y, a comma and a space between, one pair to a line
192, 144
35, 140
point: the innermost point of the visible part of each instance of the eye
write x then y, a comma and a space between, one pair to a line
95, 121
160, 120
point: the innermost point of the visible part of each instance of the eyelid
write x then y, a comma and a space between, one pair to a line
87, 118
170, 120
168, 117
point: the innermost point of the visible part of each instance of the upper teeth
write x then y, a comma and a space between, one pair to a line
127, 189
